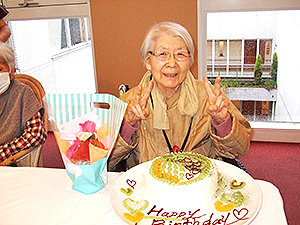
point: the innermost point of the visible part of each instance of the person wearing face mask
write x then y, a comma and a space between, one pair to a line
21, 123
170, 111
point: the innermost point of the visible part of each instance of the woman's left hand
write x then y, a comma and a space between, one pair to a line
218, 108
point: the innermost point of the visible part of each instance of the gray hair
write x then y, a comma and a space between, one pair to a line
161, 29
8, 56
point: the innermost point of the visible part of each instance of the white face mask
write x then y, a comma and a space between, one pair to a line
4, 81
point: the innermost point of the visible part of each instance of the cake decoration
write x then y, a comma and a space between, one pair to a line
131, 183
236, 198
136, 218
237, 185
221, 207
202, 195
127, 191
180, 168
135, 206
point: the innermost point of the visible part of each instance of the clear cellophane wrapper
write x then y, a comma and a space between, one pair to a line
86, 127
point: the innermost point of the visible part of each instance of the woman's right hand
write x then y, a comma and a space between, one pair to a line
219, 105
137, 109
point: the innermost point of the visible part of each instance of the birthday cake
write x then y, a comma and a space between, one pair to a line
185, 188
192, 174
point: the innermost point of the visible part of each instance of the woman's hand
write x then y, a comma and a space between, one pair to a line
137, 110
218, 108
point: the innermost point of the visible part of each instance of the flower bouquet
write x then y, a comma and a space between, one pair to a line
85, 142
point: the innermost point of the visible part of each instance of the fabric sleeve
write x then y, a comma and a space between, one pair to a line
34, 135
127, 130
237, 142
223, 129
128, 137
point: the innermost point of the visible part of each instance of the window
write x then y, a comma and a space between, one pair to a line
53, 43
56, 52
232, 51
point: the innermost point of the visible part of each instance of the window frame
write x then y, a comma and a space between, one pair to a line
33, 3
49, 11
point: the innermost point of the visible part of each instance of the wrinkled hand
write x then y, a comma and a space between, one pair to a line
137, 109
218, 108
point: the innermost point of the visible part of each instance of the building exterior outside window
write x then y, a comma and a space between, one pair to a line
236, 58
234, 41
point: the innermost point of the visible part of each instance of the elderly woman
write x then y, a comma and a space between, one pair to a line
21, 124
170, 111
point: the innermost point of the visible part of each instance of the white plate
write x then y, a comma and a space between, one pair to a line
244, 214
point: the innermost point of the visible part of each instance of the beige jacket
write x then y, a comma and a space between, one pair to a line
148, 143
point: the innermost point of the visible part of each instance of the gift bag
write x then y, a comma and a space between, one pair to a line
86, 127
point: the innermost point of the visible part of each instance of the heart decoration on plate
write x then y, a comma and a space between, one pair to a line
127, 191
131, 183
135, 206
136, 218
241, 214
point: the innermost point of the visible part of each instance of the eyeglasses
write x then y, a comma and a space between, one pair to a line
180, 56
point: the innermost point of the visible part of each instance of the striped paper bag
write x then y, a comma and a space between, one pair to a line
86, 127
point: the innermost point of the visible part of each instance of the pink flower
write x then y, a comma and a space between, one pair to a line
88, 126
72, 149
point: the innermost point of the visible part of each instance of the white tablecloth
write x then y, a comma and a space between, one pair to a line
42, 196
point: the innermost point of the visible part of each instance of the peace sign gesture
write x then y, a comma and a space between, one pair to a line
218, 108
137, 109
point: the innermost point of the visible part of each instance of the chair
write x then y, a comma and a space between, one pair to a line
236, 163
31, 157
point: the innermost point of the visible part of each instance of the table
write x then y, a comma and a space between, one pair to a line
43, 196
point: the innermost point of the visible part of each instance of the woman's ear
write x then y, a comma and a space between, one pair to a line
147, 64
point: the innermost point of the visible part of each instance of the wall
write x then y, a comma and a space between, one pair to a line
119, 28
288, 78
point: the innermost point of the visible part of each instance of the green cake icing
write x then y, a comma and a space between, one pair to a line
180, 168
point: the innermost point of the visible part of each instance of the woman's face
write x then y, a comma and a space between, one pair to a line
170, 73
